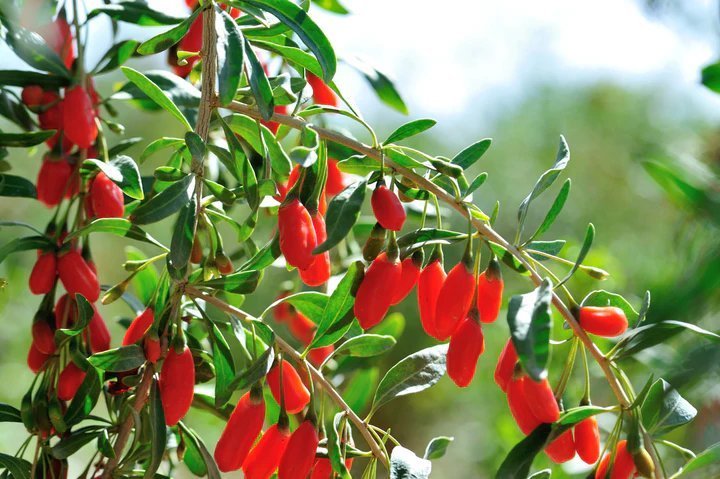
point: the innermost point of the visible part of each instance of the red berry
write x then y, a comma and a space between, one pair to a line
152, 350
32, 96
454, 300
264, 458
322, 94
562, 448
240, 432
283, 312
36, 358
466, 346
297, 234
52, 181
177, 385
99, 334
336, 180
587, 440
65, 312
409, 276
541, 399
506, 365
106, 198
191, 42
299, 456
69, 381
138, 327
302, 328
59, 38
79, 117
43, 274
374, 295
224, 264
430, 282
623, 466
77, 276
489, 293
319, 271
317, 356
607, 321
295, 394
273, 126
519, 407
43, 337
387, 208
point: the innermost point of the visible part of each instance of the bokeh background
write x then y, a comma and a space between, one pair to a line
619, 78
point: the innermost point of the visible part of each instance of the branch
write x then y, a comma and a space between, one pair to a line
317, 376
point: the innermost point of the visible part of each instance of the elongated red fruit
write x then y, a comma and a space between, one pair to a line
466, 346
430, 283
283, 312
65, 312
387, 208
191, 42
374, 295
77, 277
301, 327
52, 180
99, 333
323, 468
32, 97
43, 274
587, 440
336, 179
519, 407
506, 365
317, 356
69, 381
240, 432
297, 234
410, 273
322, 94
299, 455
264, 459
177, 385
607, 321
623, 466
562, 448
138, 327
489, 292
541, 399
79, 117
36, 358
106, 198
454, 300
43, 336
319, 271
296, 395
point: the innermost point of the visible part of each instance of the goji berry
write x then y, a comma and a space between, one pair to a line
240, 432
336, 179
196, 254
489, 292
264, 459
138, 327
36, 358
541, 399
43, 274
454, 300
387, 208
319, 271
322, 93
317, 356
177, 385
52, 180
301, 327
466, 346
519, 407
77, 277
430, 283
299, 456
623, 466
224, 264
273, 126
607, 321
69, 381
32, 97
106, 198
409, 276
374, 295
506, 365
79, 117
283, 312
99, 333
562, 448
65, 312
587, 440
191, 42
297, 234
43, 336
295, 394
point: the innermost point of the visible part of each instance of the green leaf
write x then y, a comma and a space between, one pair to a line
548, 247
343, 212
24, 244
543, 474
85, 314
475, 184
366, 346
24, 140
71, 444
231, 55
245, 170
407, 130
182, 239
587, 244
298, 20
123, 145
160, 144
145, 281
652, 334
381, 84
709, 457
9, 414
467, 157
182, 93
520, 459
427, 237
117, 227
411, 375
243, 282
24, 78
117, 55
554, 210
19, 468
125, 358
136, 12
337, 316
33, 50
574, 415
158, 431
331, 6
224, 367
168, 38
710, 77
259, 84
437, 446
123, 171
165, 203
85, 399
664, 409
255, 371
16, 186
293, 55
605, 298
359, 389
193, 439
334, 446
404, 464
153, 91
530, 322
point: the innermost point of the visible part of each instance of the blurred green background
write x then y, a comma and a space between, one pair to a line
645, 154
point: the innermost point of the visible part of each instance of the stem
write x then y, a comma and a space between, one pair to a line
317, 376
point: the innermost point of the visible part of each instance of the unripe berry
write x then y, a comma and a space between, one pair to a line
69, 381
223, 263
466, 346
541, 399
489, 292
77, 276
562, 448
297, 234
454, 300
373, 297
587, 440
79, 117
519, 407
410, 273
177, 385
43, 274
295, 394
430, 283
106, 198
52, 180
322, 94
623, 466
299, 456
264, 458
607, 321
319, 271
240, 432
506, 365
196, 254
387, 208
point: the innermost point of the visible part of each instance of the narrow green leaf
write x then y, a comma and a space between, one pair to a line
475, 184
158, 431
334, 446
85, 399
664, 409
554, 210
243, 282
407, 130
9, 413
231, 55
530, 322
366, 345
117, 55
467, 157
182, 239
18, 467
24, 140
33, 50
437, 446
224, 367
125, 358
24, 78
153, 91
73, 443
520, 459
587, 244
168, 38
123, 171
165, 203
337, 316
574, 415
16, 186
381, 84
117, 227
191, 437
136, 12
24, 244
343, 212
359, 389
259, 83
652, 334
708, 457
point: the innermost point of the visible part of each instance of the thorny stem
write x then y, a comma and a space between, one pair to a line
483, 228
317, 376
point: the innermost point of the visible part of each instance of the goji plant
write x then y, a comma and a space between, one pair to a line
252, 85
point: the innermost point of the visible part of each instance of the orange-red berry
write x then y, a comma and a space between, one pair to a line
454, 300
607, 321
177, 385
240, 432
374, 295
466, 346
295, 394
